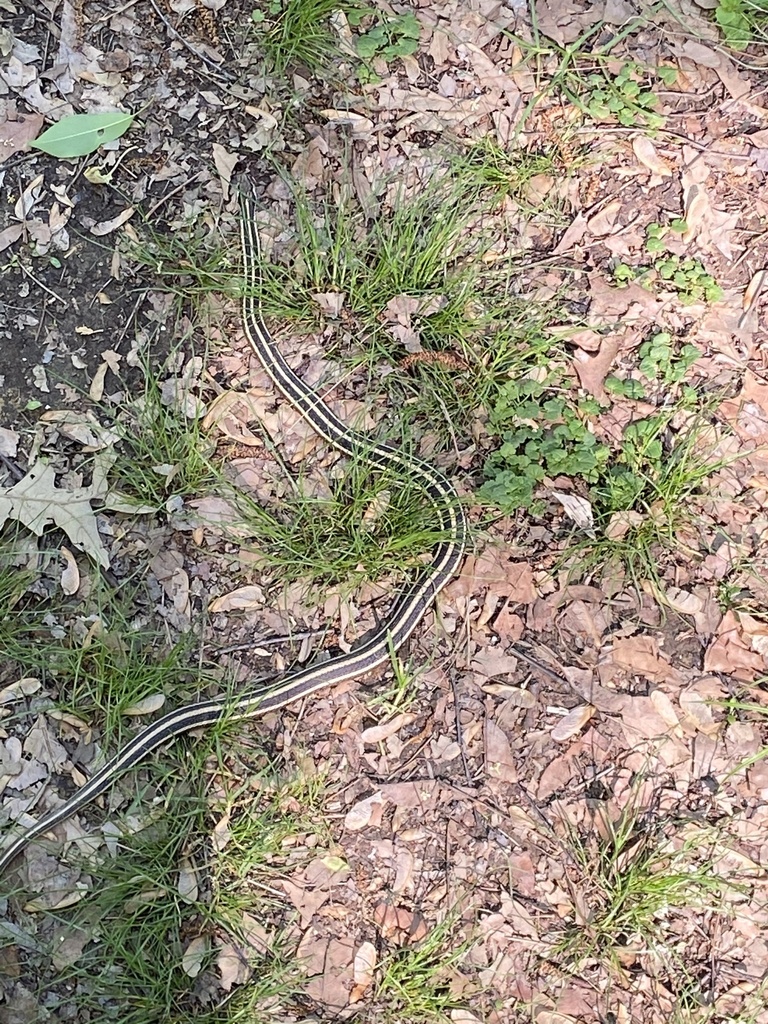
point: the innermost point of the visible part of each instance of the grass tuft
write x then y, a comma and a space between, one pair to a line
628, 876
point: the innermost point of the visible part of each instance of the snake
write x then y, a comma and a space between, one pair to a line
408, 607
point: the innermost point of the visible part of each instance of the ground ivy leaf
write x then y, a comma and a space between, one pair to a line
81, 134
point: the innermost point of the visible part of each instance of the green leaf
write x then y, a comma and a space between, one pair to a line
655, 245
408, 25
81, 134
401, 48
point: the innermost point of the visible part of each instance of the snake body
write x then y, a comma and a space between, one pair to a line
407, 611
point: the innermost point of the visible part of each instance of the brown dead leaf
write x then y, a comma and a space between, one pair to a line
363, 967
330, 303
41, 745
10, 234
106, 227
640, 655
231, 964
605, 222
194, 956
399, 924
242, 599
70, 576
377, 733
365, 812
327, 963
730, 652
14, 135
593, 369
645, 151
499, 761
225, 163
572, 723
148, 706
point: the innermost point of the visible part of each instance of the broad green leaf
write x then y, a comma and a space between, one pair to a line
81, 134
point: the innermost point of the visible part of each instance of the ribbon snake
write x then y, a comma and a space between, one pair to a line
408, 607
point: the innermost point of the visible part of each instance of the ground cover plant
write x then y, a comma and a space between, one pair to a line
524, 245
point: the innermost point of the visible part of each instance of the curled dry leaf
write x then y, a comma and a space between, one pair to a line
70, 576
29, 198
572, 723
242, 599
147, 706
187, 886
9, 442
194, 956
377, 733
645, 151
621, 523
578, 510
21, 688
106, 227
14, 135
364, 812
363, 966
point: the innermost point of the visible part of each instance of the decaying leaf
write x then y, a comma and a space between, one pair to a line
35, 502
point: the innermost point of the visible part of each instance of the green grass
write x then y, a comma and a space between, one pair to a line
163, 455
296, 33
629, 879
510, 172
420, 248
368, 526
96, 655
472, 331
414, 984
158, 915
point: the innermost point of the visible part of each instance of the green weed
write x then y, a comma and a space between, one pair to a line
585, 74
367, 527
97, 657
295, 33
628, 878
742, 22
645, 498
389, 38
664, 361
414, 983
419, 248
626, 96
685, 275
542, 434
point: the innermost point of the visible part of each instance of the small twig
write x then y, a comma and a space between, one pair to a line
269, 642
15, 470
40, 284
518, 652
460, 731
179, 188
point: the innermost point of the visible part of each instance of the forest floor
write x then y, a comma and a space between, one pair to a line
529, 245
